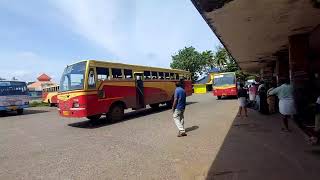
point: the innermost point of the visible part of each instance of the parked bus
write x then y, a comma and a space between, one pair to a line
13, 96
225, 84
49, 95
93, 88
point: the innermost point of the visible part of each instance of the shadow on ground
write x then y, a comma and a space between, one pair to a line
192, 128
256, 148
25, 112
128, 116
228, 98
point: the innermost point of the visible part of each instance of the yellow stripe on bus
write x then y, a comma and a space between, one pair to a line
66, 96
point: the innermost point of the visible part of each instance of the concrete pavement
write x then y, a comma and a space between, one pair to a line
42, 145
256, 148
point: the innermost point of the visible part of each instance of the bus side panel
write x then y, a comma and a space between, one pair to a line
54, 99
125, 93
45, 97
188, 87
158, 91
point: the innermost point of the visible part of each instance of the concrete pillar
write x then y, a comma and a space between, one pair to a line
282, 66
299, 70
298, 59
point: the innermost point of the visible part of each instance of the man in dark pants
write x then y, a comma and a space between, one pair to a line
178, 107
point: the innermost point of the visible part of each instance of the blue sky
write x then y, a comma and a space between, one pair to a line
44, 36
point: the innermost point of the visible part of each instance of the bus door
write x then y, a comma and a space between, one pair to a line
139, 90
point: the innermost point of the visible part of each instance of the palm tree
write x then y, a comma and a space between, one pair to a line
221, 57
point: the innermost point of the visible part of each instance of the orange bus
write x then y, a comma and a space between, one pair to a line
225, 84
93, 88
49, 95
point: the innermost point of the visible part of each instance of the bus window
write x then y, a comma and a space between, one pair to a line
128, 73
103, 73
91, 79
154, 75
172, 76
166, 75
147, 75
161, 75
116, 73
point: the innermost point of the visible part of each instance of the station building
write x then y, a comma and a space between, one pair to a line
275, 38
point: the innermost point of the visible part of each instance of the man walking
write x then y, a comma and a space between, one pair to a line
178, 107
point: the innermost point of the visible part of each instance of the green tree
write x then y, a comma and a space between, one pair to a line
226, 63
191, 60
221, 57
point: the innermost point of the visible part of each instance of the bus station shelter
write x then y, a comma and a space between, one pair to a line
276, 38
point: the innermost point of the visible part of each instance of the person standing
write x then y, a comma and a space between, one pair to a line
258, 97
178, 108
316, 135
271, 99
252, 93
242, 99
286, 102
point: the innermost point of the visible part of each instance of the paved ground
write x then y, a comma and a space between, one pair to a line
42, 145
256, 149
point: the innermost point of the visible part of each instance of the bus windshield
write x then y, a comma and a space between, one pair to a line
8, 88
73, 77
224, 79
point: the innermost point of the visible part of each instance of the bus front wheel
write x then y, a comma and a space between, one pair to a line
94, 117
116, 113
20, 111
219, 97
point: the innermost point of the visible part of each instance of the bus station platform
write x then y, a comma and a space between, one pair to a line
256, 148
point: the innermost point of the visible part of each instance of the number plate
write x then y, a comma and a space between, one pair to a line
13, 108
66, 113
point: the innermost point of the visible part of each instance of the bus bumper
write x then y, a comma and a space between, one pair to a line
13, 108
73, 112
225, 92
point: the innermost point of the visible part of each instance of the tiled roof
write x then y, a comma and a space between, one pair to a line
44, 77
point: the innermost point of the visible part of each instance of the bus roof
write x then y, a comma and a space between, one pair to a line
108, 63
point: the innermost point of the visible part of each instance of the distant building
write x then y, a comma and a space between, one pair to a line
204, 84
35, 88
43, 82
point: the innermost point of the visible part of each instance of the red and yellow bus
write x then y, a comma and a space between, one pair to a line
93, 88
49, 95
225, 84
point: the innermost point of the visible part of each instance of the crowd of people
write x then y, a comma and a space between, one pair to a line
268, 98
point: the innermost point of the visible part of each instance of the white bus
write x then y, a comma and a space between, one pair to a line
13, 96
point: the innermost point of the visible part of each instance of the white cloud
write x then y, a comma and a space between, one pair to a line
98, 21
132, 30
28, 65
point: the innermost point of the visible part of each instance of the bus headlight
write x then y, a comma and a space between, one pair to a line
75, 105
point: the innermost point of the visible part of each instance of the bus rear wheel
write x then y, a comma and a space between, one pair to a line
94, 117
154, 106
116, 113
19, 111
219, 97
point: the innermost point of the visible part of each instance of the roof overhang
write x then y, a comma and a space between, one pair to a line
254, 31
